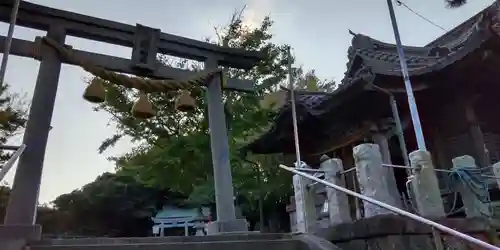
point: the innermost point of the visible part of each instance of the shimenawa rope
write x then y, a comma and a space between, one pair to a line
146, 85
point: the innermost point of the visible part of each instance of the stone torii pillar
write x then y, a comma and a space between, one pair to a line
224, 193
24, 195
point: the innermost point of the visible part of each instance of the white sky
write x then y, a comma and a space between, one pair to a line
316, 29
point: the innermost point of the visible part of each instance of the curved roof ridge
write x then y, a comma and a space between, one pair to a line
362, 40
459, 30
382, 57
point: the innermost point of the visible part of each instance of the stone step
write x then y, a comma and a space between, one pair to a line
171, 239
283, 244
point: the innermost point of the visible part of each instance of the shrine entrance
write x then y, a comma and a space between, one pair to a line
145, 42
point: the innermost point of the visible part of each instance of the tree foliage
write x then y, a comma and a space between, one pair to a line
51, 220
455, 3
113, 205
174, 152
14, 106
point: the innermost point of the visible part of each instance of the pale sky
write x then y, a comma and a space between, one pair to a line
316, 29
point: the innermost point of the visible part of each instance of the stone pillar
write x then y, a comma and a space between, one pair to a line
186, 229
425, 186
473, 206
338, 205
305, 207
15, 237
199, 231
23, 201
373, 179
383, 144
224, 193
496, 172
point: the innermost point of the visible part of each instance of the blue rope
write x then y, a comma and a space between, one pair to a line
471, 178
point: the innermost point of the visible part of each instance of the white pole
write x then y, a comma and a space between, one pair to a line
294, 110
8, 42
8, 165
394, 209
417, 126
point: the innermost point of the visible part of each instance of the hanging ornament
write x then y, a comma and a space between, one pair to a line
185, 102
142, 108
95, 91
4, 116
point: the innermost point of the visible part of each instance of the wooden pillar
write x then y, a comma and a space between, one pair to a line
351, 182
379, 138
439, 151
440, 155
476, 134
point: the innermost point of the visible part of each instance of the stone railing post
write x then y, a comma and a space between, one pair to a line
338, 205
474, 207
373, 179
425, 186
305, 207
496, 172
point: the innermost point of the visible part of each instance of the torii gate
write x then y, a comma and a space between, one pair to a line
146, 42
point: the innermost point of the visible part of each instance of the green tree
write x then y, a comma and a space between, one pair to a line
113, 205
47, 217
174, 147
13, 115
52, 220
455, 3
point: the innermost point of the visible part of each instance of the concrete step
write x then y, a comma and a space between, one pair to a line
282, 244
154, 240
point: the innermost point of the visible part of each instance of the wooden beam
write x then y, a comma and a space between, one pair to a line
40, 17
25, 48
417, 86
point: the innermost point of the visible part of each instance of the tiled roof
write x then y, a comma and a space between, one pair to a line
382, 58
368, 57
312, 102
